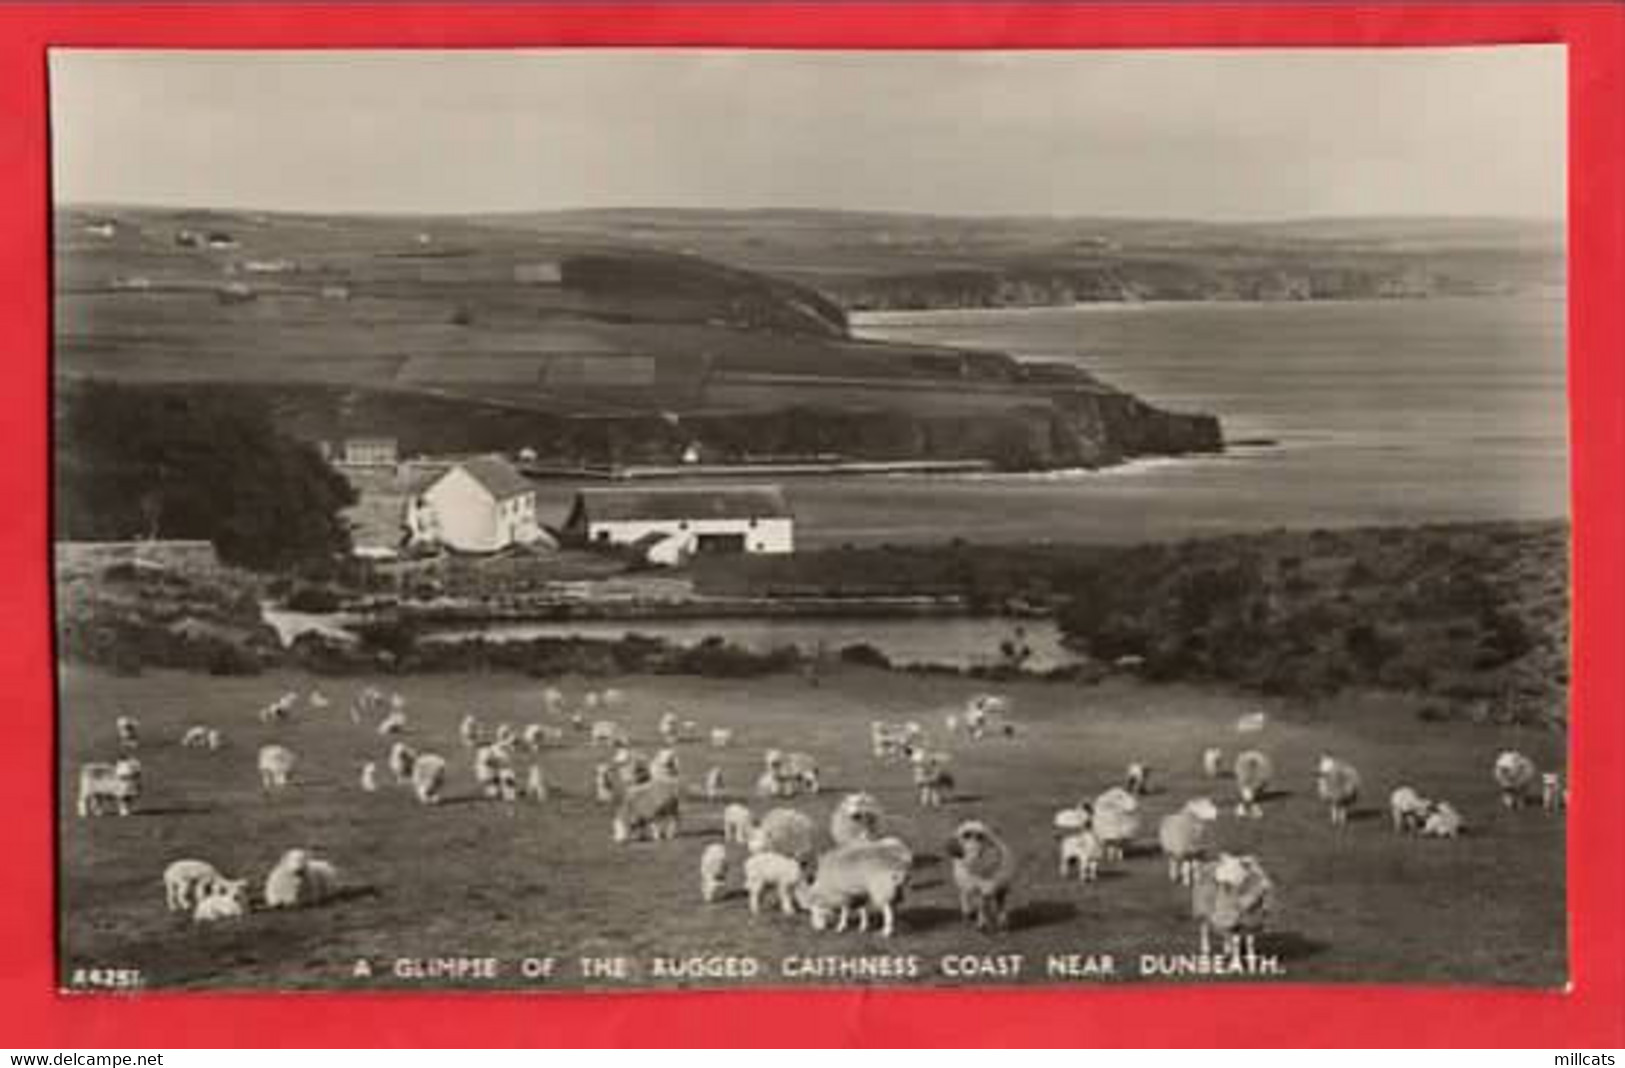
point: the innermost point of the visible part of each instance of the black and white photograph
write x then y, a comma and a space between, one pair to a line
621, 519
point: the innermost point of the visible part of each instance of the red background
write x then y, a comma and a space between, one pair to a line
1591, 1015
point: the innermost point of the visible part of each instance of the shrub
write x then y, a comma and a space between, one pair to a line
319, 599
864, 655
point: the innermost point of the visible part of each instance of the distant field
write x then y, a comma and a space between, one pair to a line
474, 877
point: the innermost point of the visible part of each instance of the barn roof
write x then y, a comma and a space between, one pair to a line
682, 502
500, 478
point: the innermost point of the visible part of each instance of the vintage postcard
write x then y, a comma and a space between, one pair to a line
560, 519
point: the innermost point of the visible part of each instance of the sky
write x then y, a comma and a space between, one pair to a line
1220, 135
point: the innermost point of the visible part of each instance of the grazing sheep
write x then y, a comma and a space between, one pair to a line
117, 784
428, 778
536, 783
1338, 784
128, 729
1070, 820
298, 880
224, 899
862, 874
984, 869
603, 784
1137, 780
1213, 762
667, 727
211, 740
1251, 723
276, 766
1233, 897
932, 780
802, 771
394, 723
1183, 836
665, 766
1515, 774
982, 711
506, 787
612, 698
632, 767
688, 731
1081, 852
490, 762
195, 737
1253, 772
469, 731
506, 736
951, 722
401, 759
713, 784
649, 809
1408, 809
786, 832
713, 871
766, 870
369, 776
1115, 822
887, 741
771, 784
186, 881
607, 734
856, 819
535, 735
317, 699
721, 737
1442, 821
591, 701
1553, 795
279, 710
737, 824
552, 699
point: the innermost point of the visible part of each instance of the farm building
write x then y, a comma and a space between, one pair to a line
671, 523
481, 505
370, 452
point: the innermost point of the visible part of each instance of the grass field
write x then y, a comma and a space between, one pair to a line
481, 878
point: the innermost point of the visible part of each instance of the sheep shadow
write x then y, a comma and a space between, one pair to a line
1362, 815
965, 799
346, 894
923, 918
173, 810
1035, 914
1274, 793
1291, 945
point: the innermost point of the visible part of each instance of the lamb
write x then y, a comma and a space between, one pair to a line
195, 738
211, 740
981, 710
317, 700
603, 784
950, 722
932, 779
401, 759
1253, 772
186, 881
535, 735
786, 832
721, 737
469, 731
428, 778
1213, 762
771, 784
1338, 784
802, 770
298, 880
369, 776
1234, 897
713, 872
984, 869
1408, 810
605, 733
648, 809
865, 874
1081, 852
128, 729
552, 699
713, 784
394, 723
1116, 821
1515, 775
1183, 836
772, 870
224, 899
1553, 795
276, 766
664, 765
688, 731
117, 784
506, 736
1137, 780
887, 741
1071, 820
279, 710
536, 783
667, 727
632, 767
489, 763
1442, 821
856, 819
612, 698
737, 824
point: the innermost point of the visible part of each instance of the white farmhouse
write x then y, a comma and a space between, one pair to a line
481, 505
672, 523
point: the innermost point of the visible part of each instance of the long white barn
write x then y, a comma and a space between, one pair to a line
672, 523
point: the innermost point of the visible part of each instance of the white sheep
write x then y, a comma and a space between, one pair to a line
532, 736
802, 771
317, 700
1233, 897
737, 824
536, 783
129, 730
401, 759
469, 731
650, 809
786, 832
612, 698
665, 765
224, 899
984, 870
668, 727
1081, 852
279, 710
951, 722
552, 699
1442, 821
186, 881
276, 766
428, 778
1253, 772
771, 784
861, 874
298, 880
1408, 809
211, 740
117, 784
506, 736
1137, 780
632, 767
1554, 796
721, 737
856, 819
1251, 723
195, 737
1183, 836
887, 741
713, 784
394, 723
933, 782
1213, 762
764, 871
1515, 774
1116, 821
713, 871
608, 734
369, 776
1338, 784
603, 784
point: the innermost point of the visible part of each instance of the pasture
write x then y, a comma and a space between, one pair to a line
475, 877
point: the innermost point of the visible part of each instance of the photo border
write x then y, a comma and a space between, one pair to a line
1590, 1014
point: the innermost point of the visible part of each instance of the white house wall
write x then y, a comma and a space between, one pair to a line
767, 536
466, 515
